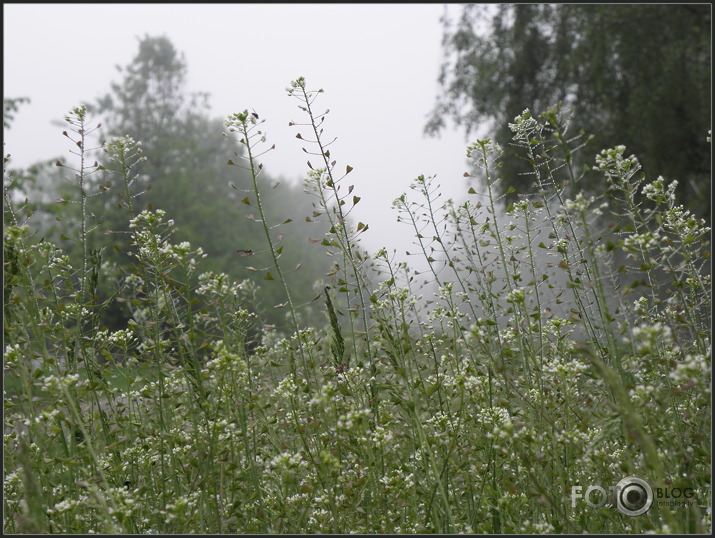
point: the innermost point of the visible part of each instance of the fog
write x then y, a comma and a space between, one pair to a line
378, 65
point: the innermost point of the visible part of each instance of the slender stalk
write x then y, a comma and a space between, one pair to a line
244, 123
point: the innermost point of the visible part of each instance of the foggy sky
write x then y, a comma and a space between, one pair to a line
378, 65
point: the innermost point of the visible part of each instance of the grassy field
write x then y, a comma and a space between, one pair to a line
561, 343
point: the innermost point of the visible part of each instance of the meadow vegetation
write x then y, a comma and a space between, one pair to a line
565, 344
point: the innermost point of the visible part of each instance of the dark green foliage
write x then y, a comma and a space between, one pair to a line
337, 342
9, 108
633, 74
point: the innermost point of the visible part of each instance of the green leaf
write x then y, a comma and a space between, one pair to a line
268, 276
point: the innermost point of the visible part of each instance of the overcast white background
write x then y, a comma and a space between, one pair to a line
377, 63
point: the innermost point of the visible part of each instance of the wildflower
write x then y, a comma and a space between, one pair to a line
123, 338
381, 436
693, 369
647, 336
64, 505
516, 296
617, 168
497, 421
579, 205
287, 460
524, 125
51, 382
642, 242
353, 418
12, 356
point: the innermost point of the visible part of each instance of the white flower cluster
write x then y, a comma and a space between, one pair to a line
122, 338
542, 527
14, 233
577, 438
74, 310
615, 166
227, 362
656, 192
122, 147
563, 368
219, 285
354, 418
647, 336
562, 246
65, 505
48, 415
287, 461
555, 324
51, 383
12, 356
515, 296
60, 263
519, 206
642, 393
693, 369
642, 242
482, 148
149, 219
142, 454
325, 395
497, 421
524, 125
579, 205
181, 253
186, 506
381, 436
287, 387
398, 480
228, 432
641, 305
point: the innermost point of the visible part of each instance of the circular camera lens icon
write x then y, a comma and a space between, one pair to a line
634, 496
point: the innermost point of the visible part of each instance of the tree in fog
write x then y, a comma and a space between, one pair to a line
186, 173
633, 74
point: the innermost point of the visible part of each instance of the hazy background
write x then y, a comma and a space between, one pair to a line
378, 65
